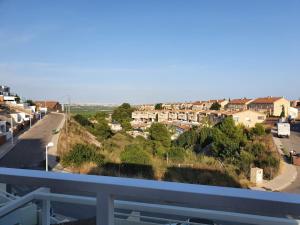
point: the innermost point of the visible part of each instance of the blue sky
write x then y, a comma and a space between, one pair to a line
150, 51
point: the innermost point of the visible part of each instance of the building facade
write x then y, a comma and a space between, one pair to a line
238, 104
271, 106
248, 118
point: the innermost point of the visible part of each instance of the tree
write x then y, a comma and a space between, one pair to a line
83, 121
102, 130
258, 130
134, 154
100, 116
18, 99
123, 115
158, 106
282, 115
188, 139
215, 106
159, 132
30, 102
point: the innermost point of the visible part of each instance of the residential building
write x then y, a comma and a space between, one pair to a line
50, 105
182, 115
167, 106
115, 127
193, 116
200, 105
144, 116
293, 113
4, 90
238, 104
271, 106
295, 103
222, 102
162, 116
173, 115
146, 107
248, 118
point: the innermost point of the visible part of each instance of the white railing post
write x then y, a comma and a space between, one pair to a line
46, 210
105, 209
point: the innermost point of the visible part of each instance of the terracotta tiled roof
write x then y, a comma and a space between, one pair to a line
240, 101
48, 104
266, 100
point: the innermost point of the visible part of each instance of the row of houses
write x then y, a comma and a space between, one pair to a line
244, 111
190, 117
15, 115
271, 106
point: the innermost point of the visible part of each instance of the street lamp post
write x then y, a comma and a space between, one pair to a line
12, 130
49, 145
30, 119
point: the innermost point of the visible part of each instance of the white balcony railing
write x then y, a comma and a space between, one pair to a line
146, 200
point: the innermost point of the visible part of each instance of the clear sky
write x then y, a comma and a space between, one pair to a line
150, 50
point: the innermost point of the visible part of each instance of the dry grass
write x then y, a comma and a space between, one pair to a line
194, 168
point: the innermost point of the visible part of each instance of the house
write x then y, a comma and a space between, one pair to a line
144, 116
173, 116
222, 102
115, 127
193, 116
50, 105
146, 107
271, 106
248, 118
4, 90
10, 99
162, 116
238, 104
200, 105
182, 115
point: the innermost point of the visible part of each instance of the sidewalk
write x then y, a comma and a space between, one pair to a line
52, 152
287, 176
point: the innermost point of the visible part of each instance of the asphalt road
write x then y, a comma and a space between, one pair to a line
293, 143
30, 151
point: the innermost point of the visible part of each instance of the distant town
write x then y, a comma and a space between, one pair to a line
183, 116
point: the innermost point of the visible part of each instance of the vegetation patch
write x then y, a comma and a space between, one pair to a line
81, 154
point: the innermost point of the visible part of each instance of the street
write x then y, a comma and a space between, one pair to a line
30, 151
293, 143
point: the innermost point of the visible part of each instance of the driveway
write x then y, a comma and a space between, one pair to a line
293, 143
29, 153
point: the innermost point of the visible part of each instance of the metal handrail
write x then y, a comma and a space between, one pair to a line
236, 204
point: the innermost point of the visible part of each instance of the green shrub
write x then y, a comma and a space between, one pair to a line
247, 160
80, 154
258, 130
83, 121
177, 154
134, 154
102, 130
265, 159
